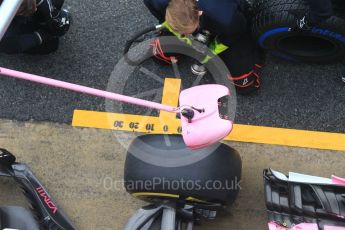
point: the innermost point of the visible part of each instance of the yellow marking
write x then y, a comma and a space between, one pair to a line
138, 194
192, 199
288, 137
167, 123
171, 94
124, 122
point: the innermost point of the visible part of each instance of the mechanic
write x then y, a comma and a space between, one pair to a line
36, 28
228, 22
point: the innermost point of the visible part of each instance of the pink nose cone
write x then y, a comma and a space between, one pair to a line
194, 139
208, 127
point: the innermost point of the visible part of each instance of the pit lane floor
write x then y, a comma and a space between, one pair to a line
292, 95
74, 162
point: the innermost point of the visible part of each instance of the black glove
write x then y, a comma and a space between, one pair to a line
60, 25
52, 18
306, 20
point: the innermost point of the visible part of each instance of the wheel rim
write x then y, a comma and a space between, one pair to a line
307, 46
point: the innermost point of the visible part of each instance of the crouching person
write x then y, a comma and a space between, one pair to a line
228, 23
36, 28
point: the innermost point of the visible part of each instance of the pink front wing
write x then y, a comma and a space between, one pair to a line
208, 127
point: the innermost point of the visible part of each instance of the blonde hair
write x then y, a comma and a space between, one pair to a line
182, 16
27, 8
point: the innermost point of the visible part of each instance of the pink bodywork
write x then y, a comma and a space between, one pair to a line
302, 226
338, 180
206, 128
84, 89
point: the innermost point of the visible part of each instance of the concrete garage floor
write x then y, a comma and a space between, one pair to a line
73, 162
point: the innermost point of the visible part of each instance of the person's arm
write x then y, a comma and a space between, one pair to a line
233, 29
157, 8
320, 9
224, 20
46, 11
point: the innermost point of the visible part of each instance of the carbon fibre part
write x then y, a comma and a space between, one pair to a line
290, 203
43, 208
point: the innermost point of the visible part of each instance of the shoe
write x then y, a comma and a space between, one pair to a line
47, 44
247, 83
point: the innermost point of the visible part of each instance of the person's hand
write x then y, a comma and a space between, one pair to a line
60, 25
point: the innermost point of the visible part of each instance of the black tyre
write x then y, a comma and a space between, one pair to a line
275, 26
339, 8
212, 180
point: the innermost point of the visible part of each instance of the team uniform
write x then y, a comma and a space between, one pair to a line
229, 21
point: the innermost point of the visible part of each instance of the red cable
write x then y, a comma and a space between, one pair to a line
159, 53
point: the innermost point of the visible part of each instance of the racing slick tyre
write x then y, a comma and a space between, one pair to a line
283, 27
214, 179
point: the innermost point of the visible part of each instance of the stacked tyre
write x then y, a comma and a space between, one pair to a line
283, 27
